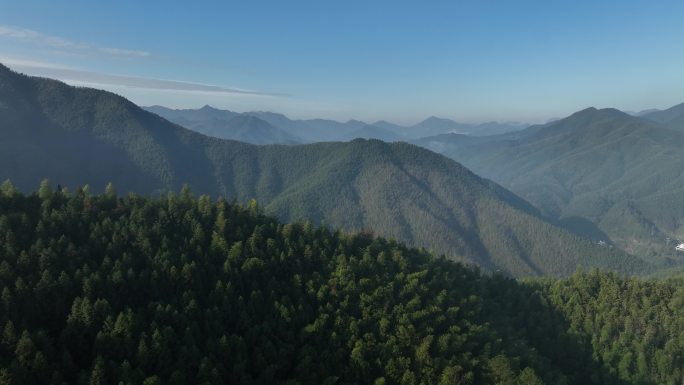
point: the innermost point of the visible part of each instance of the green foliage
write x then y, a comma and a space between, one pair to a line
635, 327
132, 290
8, 189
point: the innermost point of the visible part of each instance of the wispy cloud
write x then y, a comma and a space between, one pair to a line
56, 42
83, 77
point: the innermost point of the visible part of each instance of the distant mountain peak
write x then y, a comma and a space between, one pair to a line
381, 122
269, 113
593, 113
584, 119
646, 112
436, 119
614, 111
246, 118
354, 121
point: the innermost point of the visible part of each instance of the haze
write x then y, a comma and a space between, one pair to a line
471, 61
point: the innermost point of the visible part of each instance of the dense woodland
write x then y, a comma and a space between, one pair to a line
107, 289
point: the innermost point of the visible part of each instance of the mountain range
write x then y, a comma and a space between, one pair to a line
76, 136
609, 175
273, 128
227, 125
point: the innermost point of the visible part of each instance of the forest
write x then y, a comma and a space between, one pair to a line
109, 289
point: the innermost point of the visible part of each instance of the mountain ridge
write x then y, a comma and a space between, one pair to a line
225, 124
317, 130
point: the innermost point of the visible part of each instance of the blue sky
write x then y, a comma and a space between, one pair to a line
400, 61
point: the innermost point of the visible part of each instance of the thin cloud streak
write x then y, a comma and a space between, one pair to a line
96, 78
56, 42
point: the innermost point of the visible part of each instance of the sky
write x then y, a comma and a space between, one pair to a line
400, 61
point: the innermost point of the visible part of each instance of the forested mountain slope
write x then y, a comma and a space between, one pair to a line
176, 290
604, 171
75, 136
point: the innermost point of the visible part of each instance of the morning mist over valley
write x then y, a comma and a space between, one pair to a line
341, 193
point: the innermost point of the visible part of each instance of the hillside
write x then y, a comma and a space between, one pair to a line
177, 290
75, 136
602, 171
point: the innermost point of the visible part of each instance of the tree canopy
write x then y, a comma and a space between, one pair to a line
107, 289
